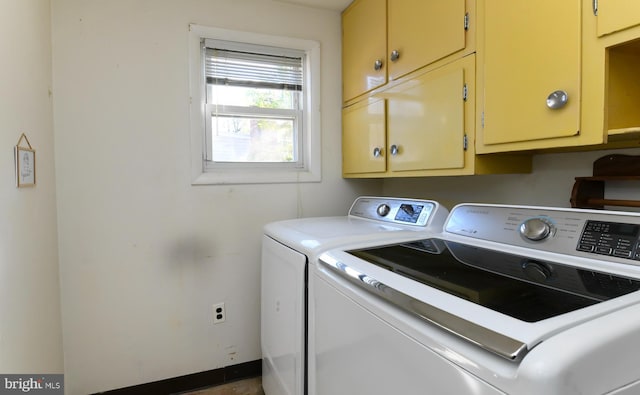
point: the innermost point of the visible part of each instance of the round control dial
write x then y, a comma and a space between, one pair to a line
536, 229
383, 210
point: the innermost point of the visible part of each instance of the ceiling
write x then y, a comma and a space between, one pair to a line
335, 5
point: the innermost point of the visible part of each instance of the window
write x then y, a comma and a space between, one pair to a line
252, 100
253, 106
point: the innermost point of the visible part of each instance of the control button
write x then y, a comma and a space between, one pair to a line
585, 248
383, 210
603, 250
535, 229
622, 253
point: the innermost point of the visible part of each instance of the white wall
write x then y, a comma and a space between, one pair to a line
549, 184
30, 330
143, 254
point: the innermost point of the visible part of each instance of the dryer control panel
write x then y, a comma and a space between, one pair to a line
397, 210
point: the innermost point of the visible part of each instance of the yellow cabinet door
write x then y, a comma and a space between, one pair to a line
423, 31
615, 15
363, 137
426, 119
364, 43
531, 49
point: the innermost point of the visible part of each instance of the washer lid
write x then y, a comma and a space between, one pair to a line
502, 302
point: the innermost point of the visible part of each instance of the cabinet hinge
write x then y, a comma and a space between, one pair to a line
482, 119
465, 92
466, 20
465, 142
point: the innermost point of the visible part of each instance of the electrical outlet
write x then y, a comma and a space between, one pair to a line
219, 313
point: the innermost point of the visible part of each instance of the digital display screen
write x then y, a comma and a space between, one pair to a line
613, 228
409, 213
624, 229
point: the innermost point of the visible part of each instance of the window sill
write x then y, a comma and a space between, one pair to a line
257, 176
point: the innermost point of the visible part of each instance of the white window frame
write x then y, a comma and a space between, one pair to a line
202, 172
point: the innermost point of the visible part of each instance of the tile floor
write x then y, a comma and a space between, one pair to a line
251, 386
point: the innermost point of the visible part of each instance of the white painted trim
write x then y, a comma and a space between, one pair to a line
311, 132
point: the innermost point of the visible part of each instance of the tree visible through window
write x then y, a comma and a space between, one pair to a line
254, 108
254, 103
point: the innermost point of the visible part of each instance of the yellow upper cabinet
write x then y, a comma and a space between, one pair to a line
422, 32
409, 93
543, 75
422, 126
426, 119
615, 15
364, 47
611, 46
383, 40
558, 74
529, 73
417, 127
364, 133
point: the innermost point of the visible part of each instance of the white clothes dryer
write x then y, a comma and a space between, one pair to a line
290, 246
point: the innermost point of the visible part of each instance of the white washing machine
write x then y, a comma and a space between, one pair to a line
507, 300
290, 246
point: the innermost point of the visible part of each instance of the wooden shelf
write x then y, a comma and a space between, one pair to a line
610, 178
588, 192
633, 131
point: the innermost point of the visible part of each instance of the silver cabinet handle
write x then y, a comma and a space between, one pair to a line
395, 55
557, 99
394, 150
377, 152
377, 65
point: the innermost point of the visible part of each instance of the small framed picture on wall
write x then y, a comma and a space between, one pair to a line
25, 158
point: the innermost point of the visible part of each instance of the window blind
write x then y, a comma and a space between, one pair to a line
238, 68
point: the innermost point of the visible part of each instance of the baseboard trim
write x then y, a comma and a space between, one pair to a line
192, 382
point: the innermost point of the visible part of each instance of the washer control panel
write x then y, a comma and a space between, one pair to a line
611, 238
605, 235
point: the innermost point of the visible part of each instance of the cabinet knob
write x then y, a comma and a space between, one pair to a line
377, 152
377, 65
395, 55
557, 99
394, 150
